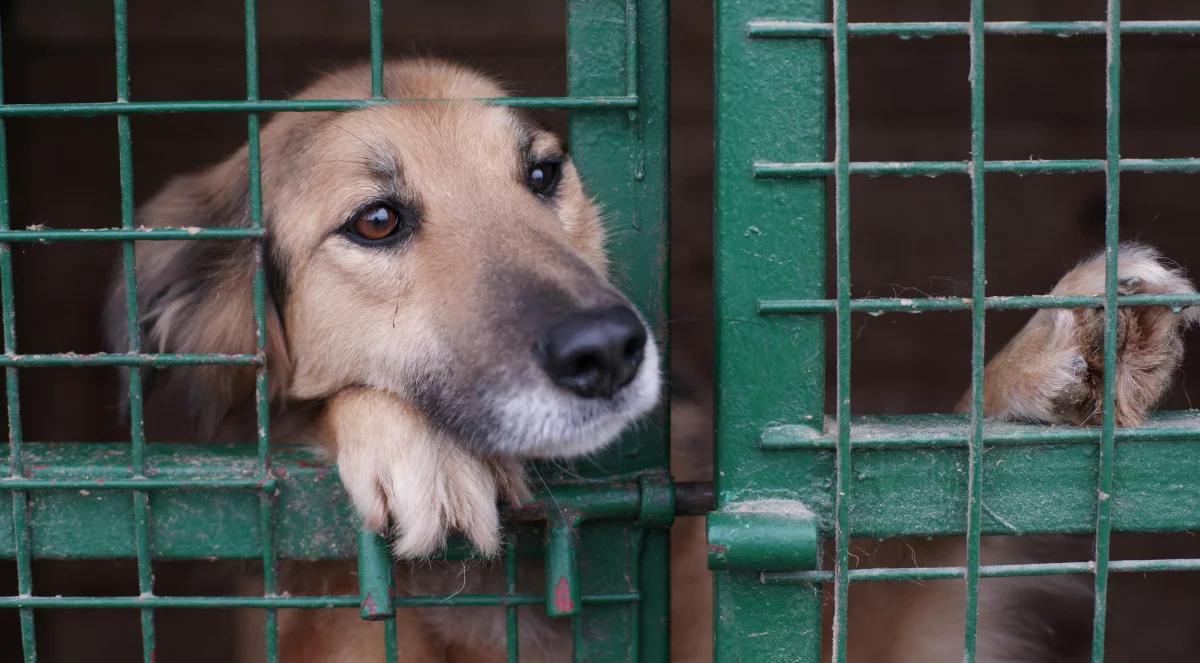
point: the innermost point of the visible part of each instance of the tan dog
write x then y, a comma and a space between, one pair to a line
439, 311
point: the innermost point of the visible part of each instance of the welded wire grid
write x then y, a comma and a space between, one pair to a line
376, 599
838, 32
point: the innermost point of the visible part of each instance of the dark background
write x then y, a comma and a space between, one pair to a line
909, 101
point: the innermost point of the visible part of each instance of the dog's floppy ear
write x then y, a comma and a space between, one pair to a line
196, 296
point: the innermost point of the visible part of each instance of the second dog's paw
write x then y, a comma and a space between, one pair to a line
1053, 371
410, 481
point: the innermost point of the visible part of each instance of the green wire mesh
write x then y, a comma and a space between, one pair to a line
157, 501
772, 436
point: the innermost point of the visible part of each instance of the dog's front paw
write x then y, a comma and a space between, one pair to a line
412, 482
1053, 371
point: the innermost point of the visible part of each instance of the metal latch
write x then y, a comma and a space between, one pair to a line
763, 535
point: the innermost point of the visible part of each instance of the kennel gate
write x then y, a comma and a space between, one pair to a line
605, 533
908, 475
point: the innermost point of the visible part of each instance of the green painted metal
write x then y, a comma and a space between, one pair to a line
975, 443
622, 157
562, 565
909, 476
795, 29
762, 540
19, 532
1002, 303
93, 109
770, 237
1105, 459
151, 501
775, 169
375, 582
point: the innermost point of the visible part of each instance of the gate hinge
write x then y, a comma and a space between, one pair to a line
763, 535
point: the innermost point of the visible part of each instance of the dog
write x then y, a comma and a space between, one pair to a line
438, 312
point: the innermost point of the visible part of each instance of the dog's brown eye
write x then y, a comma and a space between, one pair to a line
543, 177
376, 223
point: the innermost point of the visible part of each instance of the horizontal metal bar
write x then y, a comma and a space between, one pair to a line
910, 475
784, 170
942, 431
1000, 303
147, 360
988, 571
92, 109
774, 29
138, 484
299, 602
118, 234
76, 500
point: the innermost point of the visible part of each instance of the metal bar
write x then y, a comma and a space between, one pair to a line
137, 431
137, 484
843, 464
375, 583
391, 642
988, 571
953, 432
1112, 191
771, 169
631, 49
294, 602
376, 9
266, 503
978, 310
511, 617
636, 548
145, 360
22, 536
48, 235
95, 108
782, 29
997, 303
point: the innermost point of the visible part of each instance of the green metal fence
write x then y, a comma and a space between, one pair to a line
605, 526
880, 476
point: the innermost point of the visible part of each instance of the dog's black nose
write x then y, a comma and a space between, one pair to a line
593, 354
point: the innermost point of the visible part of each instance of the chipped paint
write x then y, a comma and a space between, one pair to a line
562, 596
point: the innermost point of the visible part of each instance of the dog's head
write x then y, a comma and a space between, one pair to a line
445, 252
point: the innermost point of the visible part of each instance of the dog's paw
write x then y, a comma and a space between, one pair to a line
412, 482
1053, 371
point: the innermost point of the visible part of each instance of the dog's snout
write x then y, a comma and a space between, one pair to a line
593, 354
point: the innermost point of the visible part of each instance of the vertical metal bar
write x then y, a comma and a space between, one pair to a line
137, 433
624, 162
512, 623
631, 85
653, 585
771, 104
375, 583
261, 394
631, 48
376, 49
391, 644
841, 157
978, 313
638, 539
1112, 198
8, 318
562, 565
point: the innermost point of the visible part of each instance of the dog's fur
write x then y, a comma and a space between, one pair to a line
411, 364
